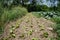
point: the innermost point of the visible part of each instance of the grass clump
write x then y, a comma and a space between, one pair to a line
10, 15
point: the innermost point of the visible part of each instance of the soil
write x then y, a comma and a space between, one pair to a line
29, 27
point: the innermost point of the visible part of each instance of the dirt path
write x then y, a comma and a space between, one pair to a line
28, 28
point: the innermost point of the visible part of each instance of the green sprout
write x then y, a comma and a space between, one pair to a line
35, 39
17, 26
41, 27
21, 36
13, 35
45, 34
30, 32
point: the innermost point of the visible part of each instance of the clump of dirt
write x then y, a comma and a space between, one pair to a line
29, 28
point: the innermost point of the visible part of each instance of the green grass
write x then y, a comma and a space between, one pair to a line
11, 15
38, 15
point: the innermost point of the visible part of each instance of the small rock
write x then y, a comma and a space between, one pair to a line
49, 28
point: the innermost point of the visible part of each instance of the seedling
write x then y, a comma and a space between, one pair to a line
31, 26
17, 26
35, 39
21, 36
27, 21
6, 39
13, 35
12, 26
11, 31
41, 27
24, 27
45, 34
30, 32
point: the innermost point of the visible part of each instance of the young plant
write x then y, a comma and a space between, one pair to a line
41, 27
35, 39
30, 32
13, 35
21, 36
45, 34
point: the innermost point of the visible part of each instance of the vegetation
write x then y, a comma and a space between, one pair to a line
10, 15
11, 10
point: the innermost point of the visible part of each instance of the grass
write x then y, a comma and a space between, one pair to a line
38, 15
10, 15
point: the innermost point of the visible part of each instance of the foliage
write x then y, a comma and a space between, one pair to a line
37, 8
